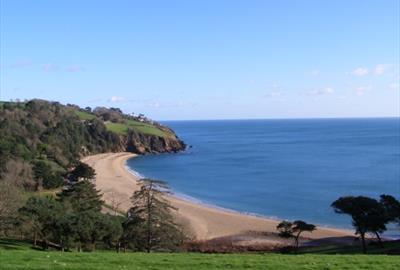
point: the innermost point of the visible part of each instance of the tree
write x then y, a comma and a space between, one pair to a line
288, 229
65, 231
112, 225
392, 208
82, 196
42, 214
83, 171
285, 229
300, 226
45, 176
150, 218
367, 215
85, 204
10, 201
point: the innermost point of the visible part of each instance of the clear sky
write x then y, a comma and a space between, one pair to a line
198, 59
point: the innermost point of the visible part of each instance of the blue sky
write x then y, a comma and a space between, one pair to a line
202, 59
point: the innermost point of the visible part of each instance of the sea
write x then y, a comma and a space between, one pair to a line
284, 169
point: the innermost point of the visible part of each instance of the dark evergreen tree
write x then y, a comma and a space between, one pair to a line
85, 203
150, 218
40, 215
82, 196
83, 171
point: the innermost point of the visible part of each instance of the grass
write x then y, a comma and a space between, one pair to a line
145, 128
19, 255
392, 247
122, 128
84, 115
47, 192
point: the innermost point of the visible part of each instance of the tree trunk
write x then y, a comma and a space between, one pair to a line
297, 241
364, 245
379, 239
34, 239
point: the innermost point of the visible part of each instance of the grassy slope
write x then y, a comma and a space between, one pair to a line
84, 115
108, 260
392, 247
18, 255
122, 128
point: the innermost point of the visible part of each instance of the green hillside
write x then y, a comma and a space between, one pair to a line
40, 140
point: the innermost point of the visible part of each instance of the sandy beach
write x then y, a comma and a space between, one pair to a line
117, 185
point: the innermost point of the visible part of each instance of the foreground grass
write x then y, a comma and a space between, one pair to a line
391, 248
33, 259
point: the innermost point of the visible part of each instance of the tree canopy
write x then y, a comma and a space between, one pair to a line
150, 218
294, 229
368, 215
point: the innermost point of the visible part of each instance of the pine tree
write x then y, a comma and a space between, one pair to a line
82, 196
39, 216
150, 219
85, 204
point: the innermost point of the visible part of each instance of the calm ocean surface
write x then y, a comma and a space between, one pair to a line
287, 169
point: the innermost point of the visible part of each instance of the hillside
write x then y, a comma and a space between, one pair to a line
41, 140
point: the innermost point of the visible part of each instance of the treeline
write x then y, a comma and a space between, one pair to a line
40, 141
75, 219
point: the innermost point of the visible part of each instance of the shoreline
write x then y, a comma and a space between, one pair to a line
117, 182
190, 199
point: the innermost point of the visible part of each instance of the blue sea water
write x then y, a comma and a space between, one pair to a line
287, 169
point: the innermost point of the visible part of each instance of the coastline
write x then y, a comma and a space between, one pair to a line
117, 183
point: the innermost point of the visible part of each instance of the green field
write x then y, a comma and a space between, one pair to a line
122, 128
32, 259
18, 255
85, 115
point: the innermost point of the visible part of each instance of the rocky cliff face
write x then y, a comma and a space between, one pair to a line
150, 144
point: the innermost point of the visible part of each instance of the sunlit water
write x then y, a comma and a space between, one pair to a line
288, 169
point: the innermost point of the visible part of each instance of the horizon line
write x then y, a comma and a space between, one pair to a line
285, 118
